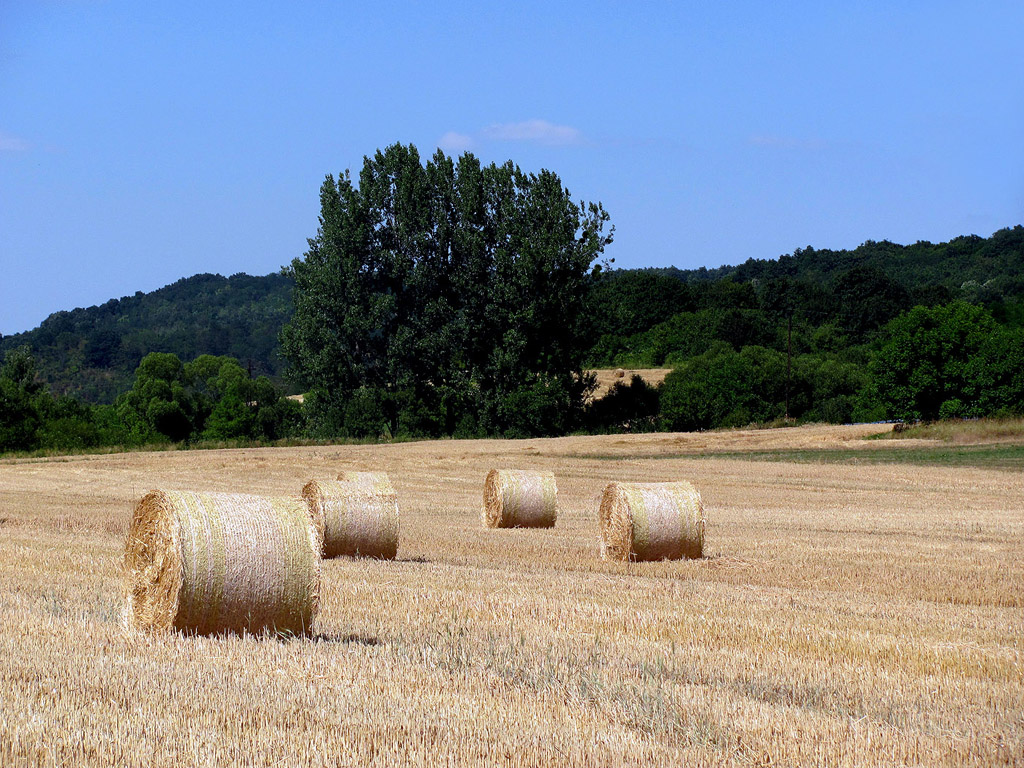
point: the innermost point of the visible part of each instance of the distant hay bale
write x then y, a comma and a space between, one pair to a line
515, 498
221, 562
357, 514
619, 373
651, 521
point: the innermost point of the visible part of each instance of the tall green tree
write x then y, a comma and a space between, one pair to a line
444, 297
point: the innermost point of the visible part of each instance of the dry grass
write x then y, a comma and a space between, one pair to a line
844, 615
606, 377
976, 432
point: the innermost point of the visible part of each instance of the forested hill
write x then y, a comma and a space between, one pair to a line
92, 353
839, 299
994, 263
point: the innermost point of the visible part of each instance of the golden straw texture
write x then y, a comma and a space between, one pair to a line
515, 498
376, 481
651, 521
359, 514
221, 562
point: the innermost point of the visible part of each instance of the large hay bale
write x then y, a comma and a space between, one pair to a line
358, 514
651, 521
221, 562
516, 498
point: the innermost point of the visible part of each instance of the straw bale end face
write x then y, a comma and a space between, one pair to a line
221, 562
651, 521
516, 498
153, 563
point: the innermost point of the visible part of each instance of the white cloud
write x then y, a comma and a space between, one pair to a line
536, 131
540, 131
9, 143
455, 142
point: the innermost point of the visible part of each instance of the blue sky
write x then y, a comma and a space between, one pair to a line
144, 142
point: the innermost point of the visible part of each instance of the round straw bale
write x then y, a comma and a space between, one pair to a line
516, 498
619, 373
221, 562
378, 481
651, 521
358, 515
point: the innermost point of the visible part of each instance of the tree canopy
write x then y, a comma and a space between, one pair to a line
445, 297
950, 361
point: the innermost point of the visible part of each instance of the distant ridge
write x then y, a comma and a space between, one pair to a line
92, 353
962, 260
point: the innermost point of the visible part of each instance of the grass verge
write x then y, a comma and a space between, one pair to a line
1007, 457
958, 431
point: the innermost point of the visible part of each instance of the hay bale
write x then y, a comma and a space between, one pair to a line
619, 373
358, 514
378, 481
515, 498
651, 521
221, 562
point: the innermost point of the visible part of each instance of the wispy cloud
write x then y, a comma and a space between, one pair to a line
536, 131
540, 131
787, 142
9, 143
456, 142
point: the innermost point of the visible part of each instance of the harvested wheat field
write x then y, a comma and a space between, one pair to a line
857, 604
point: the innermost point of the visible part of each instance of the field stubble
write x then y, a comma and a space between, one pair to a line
845, 615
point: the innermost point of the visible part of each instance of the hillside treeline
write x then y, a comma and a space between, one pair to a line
207, 399
92, 353
857, 344
951, 360
449, 297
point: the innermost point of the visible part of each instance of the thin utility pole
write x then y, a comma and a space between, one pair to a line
789, 357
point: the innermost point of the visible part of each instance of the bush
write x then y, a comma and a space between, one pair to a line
546, 406
724, 388
632, 407
933, 362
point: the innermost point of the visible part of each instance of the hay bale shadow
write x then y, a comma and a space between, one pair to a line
352, 638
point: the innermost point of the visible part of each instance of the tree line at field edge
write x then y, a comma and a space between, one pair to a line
454, 298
